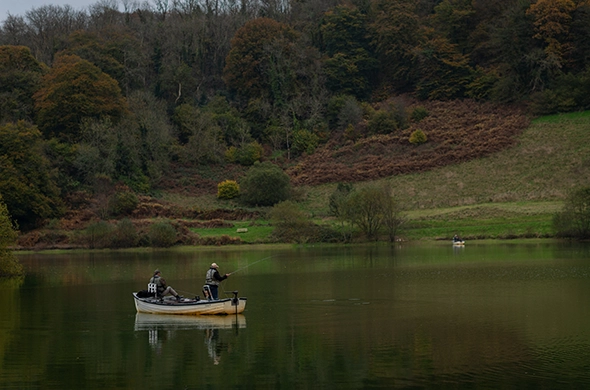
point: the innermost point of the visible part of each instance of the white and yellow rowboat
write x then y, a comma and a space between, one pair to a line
187, 306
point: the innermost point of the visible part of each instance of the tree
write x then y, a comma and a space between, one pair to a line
444, 71
511, 45
455, 20
290, 223
151, 134
393, 216
20, 77
350, 65
114, 49
265, 184
552, 23
365, 209
73, 90
26, 178
270, 60
200, 135
574, 220
337, 203
396, 33
9, 265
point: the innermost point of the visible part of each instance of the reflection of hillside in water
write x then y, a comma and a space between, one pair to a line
164, 327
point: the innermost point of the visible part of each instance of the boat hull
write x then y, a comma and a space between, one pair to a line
189, 306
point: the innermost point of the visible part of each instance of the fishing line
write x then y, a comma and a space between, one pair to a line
231, 273
258, 261
240, 269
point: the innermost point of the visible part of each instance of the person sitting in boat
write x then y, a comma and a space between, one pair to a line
213, 279
161, 286
457, 239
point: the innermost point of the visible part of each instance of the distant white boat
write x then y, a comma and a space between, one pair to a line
188, 306
458, 243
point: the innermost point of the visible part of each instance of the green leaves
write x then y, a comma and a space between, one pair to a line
265, 184
26, 181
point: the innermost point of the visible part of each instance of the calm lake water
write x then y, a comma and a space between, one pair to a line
486, 316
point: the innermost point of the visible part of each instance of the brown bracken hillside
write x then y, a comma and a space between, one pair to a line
457, 131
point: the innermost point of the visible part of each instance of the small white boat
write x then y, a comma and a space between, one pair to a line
188, 306
458, 243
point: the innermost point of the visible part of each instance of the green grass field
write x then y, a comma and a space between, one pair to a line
257, 233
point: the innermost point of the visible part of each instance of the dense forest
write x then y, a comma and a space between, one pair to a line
116, 95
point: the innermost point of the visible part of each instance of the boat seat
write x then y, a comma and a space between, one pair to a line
153, 289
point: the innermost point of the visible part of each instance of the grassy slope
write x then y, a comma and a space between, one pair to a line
513, 193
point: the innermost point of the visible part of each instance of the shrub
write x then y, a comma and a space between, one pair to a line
162, 234
125, 235
9, 264
98, 235
265, 184
574, 220
418, 137
230, 154
338, 197
365, 208
228, 189
124, 202
418, 114
248, 154
290, 223
382, 122
304, 141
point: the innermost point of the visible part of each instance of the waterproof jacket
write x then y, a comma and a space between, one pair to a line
160, 283
213, 278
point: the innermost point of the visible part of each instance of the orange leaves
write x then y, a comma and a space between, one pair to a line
75, 89
552, 22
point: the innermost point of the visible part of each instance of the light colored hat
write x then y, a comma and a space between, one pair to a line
156, 271
214, 265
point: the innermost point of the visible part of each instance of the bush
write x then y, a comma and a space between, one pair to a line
228, 189
418, 137
125, 235
265, 184
418, 114
382, 122
304, 141
574, 220
9, 264
248, 154
231, 153
98, 235
124, 203
290, 223
162, 234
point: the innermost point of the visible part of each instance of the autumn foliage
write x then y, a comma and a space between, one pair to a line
75, 89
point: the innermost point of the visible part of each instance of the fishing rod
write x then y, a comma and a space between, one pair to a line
258, 261
240, 269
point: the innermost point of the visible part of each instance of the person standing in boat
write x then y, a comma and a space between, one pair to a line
213, 279
160, 283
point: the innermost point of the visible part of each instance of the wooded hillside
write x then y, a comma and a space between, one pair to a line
118, 97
